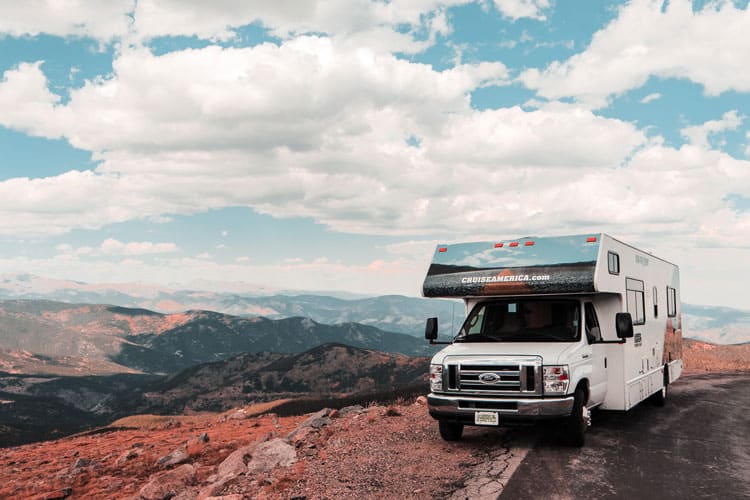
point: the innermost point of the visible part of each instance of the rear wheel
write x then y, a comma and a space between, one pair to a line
660, 398
450, 431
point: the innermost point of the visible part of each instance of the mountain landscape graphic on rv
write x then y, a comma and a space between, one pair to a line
525, 265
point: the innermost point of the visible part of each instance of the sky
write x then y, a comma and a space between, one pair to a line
329, 145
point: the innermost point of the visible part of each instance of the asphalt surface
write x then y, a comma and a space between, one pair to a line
697, 446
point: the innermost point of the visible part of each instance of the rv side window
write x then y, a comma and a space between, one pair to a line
671, 302
636, 300
656, 303
593, 332
613, 262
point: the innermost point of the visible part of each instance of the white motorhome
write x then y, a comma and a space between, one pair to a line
554, 328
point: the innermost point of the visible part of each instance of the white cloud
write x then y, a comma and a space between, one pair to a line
315, 129
316, 126
368, 22
375, 277
707, 46
276, 128
103, 21
517, 9
112, 246
651, 97
699, 134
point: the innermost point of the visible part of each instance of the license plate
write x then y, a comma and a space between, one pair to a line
486, 418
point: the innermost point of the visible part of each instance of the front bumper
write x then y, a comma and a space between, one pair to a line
462, 408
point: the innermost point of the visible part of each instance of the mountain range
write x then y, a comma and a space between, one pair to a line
392, 313
114, 339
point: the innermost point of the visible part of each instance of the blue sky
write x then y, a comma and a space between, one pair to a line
330, 145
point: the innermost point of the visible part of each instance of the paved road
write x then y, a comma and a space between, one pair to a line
697, 446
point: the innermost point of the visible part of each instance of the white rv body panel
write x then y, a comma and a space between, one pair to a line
640, 361
600, 274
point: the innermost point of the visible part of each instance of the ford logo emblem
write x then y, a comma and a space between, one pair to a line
489, 378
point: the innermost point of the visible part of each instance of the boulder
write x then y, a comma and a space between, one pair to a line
316, 421
271, 454
236, 463
348, 410
176, 457
170, 484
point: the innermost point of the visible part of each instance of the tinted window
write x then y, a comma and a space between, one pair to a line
593, 332
527, 320
635, 300
671, 302
613, 263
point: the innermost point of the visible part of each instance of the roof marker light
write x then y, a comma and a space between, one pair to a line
513, 244
442, 249
529, 244
499, 245
591, 239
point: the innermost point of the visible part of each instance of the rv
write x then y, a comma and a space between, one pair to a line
554, 328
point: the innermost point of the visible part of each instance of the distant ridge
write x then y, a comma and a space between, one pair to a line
150, 342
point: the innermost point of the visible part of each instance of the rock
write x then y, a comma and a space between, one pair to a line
238, 415
81, 463
213, 490
129, 455
392, 411
236, 463
299, 437
421, 400
316, 421
348, 410
58, 495
334, 413
234, 496
271, 454
169, 484
195, 445
177, 456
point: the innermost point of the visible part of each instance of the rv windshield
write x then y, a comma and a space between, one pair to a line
522, 320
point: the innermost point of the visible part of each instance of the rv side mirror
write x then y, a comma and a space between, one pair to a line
431, 329
624, 325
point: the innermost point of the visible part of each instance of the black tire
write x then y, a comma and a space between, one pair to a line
574, 428
450, 431
660, 398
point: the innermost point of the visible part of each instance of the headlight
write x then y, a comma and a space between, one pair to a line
436, 378
556, 379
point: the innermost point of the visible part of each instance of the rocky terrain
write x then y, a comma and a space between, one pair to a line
355, 452
370, 450
328, 372
701, 357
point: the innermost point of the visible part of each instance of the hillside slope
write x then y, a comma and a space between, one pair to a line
329, 372
102, 337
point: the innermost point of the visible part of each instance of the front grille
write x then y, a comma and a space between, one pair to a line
493, 378
468, 404
496, 376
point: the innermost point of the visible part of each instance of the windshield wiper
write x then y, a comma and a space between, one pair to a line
476, 337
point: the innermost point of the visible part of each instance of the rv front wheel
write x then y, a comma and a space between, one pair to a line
450, 431
576, 424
